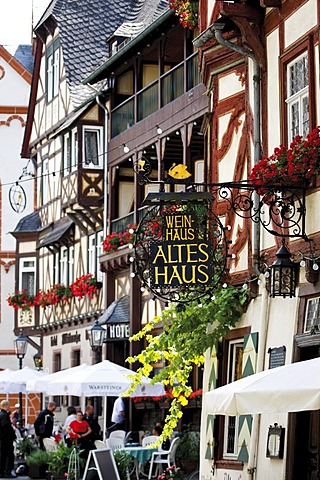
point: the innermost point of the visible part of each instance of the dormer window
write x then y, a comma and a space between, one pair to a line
52, 70
93, 147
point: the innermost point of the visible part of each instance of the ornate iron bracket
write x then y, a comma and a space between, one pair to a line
280, 209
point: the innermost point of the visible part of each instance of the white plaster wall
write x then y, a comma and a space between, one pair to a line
317, 79
14, 90
300, 22
227, 165
273, 92
229, 85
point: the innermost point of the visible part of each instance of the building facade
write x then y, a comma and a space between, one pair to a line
260, 64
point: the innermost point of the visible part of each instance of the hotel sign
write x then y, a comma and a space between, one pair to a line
184, 257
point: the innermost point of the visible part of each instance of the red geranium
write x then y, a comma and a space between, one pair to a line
85, 285
289, 166
186, 11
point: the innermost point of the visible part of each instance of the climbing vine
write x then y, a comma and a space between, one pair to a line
187, 332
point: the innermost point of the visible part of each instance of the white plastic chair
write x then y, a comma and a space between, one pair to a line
50, 445
118, 434
99, 444
149, 440
164, 457
115, 443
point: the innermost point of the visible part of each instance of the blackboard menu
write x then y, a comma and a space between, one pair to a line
101, 466
277, 356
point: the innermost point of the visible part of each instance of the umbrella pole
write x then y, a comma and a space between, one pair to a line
105, 418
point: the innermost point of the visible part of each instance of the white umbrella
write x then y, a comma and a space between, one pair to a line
104, 379
40, 384
290, 388
15, 381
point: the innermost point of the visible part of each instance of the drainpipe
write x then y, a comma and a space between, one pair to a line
105, 166
216, 30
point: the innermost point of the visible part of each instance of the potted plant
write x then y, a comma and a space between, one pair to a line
124, 463
58, 461
188, 450
85, 285
187, 11
37, 462
296, 165
115, 240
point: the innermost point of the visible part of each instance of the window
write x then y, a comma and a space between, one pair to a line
65, 269
298, 97
94, 250
93, 151
27, 273
312, 318
64, 266
52, 70
45, 181
234, 372
56, 367
70, 152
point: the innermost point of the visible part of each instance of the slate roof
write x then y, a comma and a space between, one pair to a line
29, 223
117, 312
84, 26
24, 55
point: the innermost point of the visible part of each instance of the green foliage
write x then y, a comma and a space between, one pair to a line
123, 461
189, 447
188, 331
37, 458
59, 460
25, 446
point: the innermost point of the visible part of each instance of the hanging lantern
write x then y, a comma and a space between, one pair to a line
283, 274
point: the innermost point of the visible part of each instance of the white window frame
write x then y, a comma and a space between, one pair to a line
312, 314
74, 150
99, 133
70, 152
27, 269
99, 247
297, 98
64, 267
71, 277
45, 181
92, 254
228, 419
53, 70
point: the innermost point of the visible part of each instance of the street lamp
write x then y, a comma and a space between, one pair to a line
96, 339
20, 345
283, 274
37, 360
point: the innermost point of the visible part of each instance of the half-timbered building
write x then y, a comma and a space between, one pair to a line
260, 63
156, 112
66, 140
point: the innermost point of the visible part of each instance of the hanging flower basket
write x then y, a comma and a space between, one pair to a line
115, 240
288, 167
21, 300
187, 11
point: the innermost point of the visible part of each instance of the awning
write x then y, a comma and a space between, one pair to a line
291, 388
117, 319
59, 235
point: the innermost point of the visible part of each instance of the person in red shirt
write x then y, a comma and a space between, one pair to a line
79, 430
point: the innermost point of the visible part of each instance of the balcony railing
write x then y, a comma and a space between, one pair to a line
172, 85
121, 224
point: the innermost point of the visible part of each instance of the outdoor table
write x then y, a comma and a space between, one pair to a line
140, 456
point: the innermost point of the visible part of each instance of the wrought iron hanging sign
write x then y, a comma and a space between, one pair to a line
17, 198
180, 246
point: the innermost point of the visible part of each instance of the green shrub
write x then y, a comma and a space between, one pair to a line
37, 458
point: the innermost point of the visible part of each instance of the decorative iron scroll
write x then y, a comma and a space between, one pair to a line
180, 248
280, 209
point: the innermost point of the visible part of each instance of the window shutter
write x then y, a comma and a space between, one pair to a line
250, 350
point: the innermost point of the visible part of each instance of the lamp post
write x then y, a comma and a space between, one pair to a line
37, 360
96, 340
20, 345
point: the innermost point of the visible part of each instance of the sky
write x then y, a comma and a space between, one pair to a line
16, 21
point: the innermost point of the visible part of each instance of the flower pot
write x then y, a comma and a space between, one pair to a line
38, 471
140, 405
